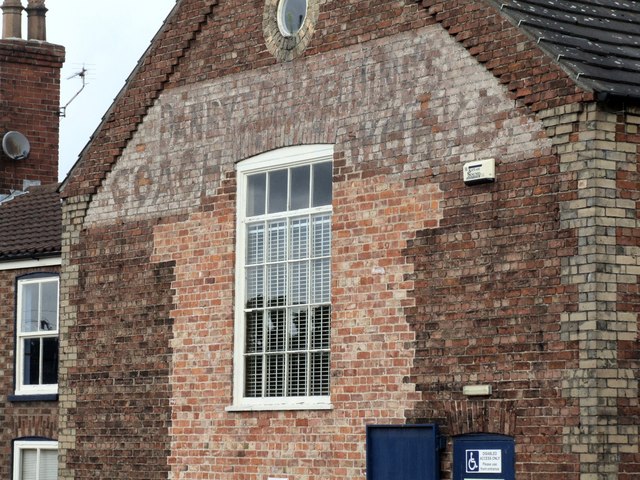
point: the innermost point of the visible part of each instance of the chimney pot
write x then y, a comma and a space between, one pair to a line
36, 24
12, 19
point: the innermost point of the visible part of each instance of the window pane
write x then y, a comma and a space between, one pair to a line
278, 191
320, 327
321, 283
277, 284
299, 238
275, 376
299, 276
277, 241
297, 374
322, 236
30, 306
255, 287
319, 374
254, 329
300, 180
298, 329
256, 194
29, 464
50, 361
49, 307
48, 465
322, 173
255, 243
276, 330
253, 376
31, 361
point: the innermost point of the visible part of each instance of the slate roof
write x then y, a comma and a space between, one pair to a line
31, 224
596, 41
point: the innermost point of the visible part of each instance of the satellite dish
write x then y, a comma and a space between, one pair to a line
16, 146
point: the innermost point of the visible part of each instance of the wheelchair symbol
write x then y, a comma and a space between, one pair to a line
472, 461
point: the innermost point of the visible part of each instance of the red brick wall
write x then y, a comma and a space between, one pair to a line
18, 419
489, 299
122, 336
29, 103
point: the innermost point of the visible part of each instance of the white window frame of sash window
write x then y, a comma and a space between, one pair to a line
19, 446
20, 388
273, 160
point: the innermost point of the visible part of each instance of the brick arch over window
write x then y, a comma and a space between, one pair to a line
484, 416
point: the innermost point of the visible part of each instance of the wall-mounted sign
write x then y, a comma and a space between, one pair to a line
485, 457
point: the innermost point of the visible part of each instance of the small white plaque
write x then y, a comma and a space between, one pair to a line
483, 461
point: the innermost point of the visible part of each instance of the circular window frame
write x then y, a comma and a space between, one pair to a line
283, 46
281, 22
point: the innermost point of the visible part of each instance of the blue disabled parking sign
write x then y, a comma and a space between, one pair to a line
489, 457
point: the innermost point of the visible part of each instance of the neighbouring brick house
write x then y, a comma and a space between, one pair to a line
268, 244
30, 247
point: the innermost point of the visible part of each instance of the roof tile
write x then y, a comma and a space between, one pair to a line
596, 41
31, 224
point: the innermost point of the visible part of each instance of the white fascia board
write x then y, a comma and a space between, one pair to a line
31, 263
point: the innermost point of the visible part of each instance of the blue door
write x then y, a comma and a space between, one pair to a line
403, 452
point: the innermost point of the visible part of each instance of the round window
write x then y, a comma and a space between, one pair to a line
291, 15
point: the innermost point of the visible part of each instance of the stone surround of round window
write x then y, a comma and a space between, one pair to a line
288, 26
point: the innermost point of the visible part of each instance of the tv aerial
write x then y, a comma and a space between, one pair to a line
15, 145
83, 75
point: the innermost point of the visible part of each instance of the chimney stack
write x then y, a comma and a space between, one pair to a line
37, 25
29, 96
12, 19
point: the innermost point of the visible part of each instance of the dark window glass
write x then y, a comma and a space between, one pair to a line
322, 175
49, 361
300, 180
256, 194
31, 361
277, 191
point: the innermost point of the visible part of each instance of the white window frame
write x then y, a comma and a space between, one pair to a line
20, 388
19, 446
273, 160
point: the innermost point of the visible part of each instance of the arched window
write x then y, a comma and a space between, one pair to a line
283, 309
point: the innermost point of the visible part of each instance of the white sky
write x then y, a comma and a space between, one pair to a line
108, 37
